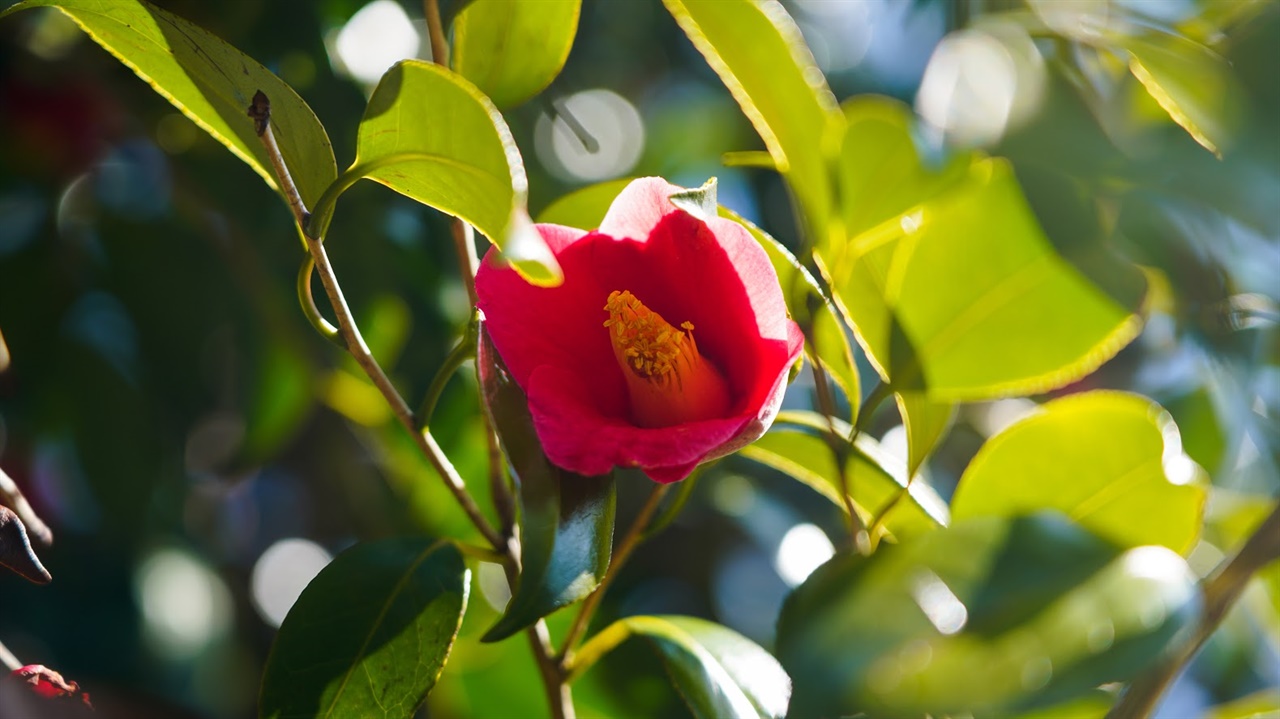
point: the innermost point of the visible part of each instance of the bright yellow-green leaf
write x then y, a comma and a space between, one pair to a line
760, 55
1113, 462
926, 422
512, 50
1191, 82
432, 136
978, 303
583, 208
875, 479
948, 279
211, 82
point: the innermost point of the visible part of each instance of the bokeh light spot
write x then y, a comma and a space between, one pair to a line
280, 575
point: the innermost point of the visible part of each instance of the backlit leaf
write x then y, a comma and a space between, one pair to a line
760, 56
1192, 83
512, 50
1112, 462
875, 479
429, 134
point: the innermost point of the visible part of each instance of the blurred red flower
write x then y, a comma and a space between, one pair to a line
667, 345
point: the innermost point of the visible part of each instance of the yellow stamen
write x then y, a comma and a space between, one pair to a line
668, 379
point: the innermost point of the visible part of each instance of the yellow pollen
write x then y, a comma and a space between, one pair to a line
649, 345
668, 381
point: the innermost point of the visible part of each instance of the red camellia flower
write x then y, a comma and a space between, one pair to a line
668, 343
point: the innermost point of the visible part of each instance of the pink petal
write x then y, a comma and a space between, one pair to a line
638, 208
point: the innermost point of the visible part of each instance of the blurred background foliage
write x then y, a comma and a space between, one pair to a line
201, 453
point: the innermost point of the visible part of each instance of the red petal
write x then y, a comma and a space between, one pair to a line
577, 436
559, 326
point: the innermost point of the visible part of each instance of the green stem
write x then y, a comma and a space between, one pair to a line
309, 309
461, 353
590, 652
635, 534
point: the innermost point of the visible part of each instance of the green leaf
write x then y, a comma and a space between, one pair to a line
211, 82
513, 50
879, 169
1192, 83
719, 673
431, 135
761, 57
1110, 461
585, 207
964, 297
989, 617
926, 423
566, 519
875, 479
370, 634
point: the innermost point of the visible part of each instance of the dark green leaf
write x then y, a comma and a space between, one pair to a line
566, 519
719, 673
370, 634
988, 617
211, 82
432, 136
874, 478
513, 50
761, 57
1110, 461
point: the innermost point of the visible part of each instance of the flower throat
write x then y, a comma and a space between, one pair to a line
668, 380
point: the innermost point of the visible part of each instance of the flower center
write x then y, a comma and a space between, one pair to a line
668, 379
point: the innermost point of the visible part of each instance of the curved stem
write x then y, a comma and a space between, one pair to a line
601, 644
628, 545
1221, 590
460, 354
309, 309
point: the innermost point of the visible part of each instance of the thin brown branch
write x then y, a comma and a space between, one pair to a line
12, 497
559, 696
628, 545
1221, 590
260, 111
435, 32
839, 449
